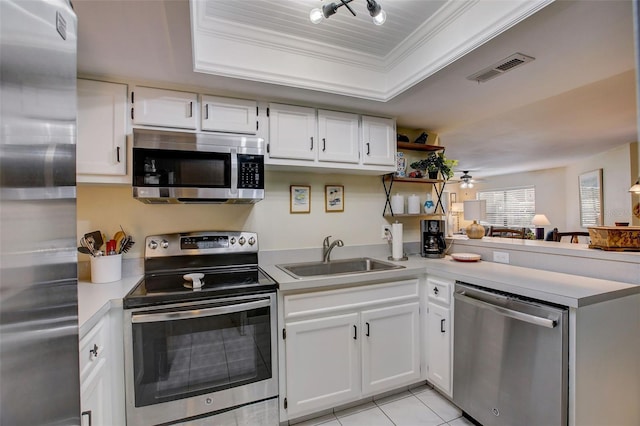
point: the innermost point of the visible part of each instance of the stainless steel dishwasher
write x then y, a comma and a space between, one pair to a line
510, 358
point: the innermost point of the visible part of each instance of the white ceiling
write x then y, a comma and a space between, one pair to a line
576, 99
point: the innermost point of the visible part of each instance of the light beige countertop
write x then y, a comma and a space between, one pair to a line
94, 300
554, 287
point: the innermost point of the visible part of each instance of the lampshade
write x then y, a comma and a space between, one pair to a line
457, 207
635, 187
540, 220
475, 210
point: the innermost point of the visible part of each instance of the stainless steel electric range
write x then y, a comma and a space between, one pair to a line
200, 332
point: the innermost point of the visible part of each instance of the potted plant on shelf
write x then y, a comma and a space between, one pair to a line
434, 164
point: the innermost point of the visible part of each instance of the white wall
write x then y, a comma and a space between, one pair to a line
616, 174
550, 192
108, 207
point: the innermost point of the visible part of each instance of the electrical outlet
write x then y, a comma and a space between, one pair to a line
500, 257
383, 234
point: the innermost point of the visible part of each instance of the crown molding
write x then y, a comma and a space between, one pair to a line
241, 51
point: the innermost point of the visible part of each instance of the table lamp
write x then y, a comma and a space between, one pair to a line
475, 210
539, 221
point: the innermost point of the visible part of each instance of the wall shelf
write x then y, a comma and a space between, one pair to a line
409, 146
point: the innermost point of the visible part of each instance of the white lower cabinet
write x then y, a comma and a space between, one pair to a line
439, 352
323, 366
344, 345
95, 388
101, 372
390, 347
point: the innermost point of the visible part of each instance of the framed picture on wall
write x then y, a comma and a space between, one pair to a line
300, 199
590, 197
334, 198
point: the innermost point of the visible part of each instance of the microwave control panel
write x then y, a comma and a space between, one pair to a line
250, 171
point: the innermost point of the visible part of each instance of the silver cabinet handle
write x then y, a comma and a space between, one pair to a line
198, 313
521, 316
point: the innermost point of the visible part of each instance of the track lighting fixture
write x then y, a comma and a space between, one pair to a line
375, 10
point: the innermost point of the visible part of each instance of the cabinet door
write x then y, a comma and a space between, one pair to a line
95, 377
102, 128
322, 363
439, 347
164, 108
229, 115
95, 398
390, 347
338, 137
292, 132
378, 141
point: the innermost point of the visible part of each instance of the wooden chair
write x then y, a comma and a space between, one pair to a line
495, 231
557, 236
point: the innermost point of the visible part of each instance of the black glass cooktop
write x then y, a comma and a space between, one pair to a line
163, 288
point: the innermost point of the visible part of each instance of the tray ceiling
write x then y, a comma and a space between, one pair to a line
274, 42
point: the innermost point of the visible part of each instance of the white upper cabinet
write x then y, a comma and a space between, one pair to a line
102, 130
292, 132
164, 108
378, 141
229, 115
338, 137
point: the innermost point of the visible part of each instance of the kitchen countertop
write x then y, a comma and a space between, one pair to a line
94, 300
554, 287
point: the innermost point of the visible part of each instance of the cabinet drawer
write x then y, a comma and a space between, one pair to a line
93, 348
439, 290
350, 298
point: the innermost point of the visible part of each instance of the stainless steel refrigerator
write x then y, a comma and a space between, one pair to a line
39, 378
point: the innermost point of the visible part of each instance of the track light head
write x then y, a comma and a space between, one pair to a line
375, 10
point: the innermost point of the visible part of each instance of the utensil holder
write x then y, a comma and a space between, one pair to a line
106, 269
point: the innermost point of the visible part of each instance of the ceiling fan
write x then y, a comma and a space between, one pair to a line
466, 180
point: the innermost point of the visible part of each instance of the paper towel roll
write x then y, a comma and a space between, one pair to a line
397, 251
397, 204
414, 204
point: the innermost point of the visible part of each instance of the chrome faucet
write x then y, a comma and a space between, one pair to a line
327, 247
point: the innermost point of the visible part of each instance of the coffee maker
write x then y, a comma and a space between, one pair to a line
432, 243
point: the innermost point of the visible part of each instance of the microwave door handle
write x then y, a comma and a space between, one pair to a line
234, 171
198, 313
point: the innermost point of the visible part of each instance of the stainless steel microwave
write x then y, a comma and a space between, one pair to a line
178, 167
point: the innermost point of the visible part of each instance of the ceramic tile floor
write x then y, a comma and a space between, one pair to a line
421, 406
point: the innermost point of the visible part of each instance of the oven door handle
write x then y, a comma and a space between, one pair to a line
199, 313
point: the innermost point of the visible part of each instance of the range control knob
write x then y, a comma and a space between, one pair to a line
232, 240
252, 241
242, 241
164, 244
153, 244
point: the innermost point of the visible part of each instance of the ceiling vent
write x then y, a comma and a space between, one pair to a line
507, 64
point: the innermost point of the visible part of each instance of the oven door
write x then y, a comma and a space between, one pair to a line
186, 360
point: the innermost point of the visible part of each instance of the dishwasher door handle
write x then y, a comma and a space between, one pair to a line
531, 319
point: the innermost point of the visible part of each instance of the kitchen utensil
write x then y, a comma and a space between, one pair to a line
85, 250
88, 243
125, 244
98, 241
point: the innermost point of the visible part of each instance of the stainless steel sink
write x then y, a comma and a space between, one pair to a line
337, 267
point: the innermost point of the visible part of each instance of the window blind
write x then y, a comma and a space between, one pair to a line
513, 207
